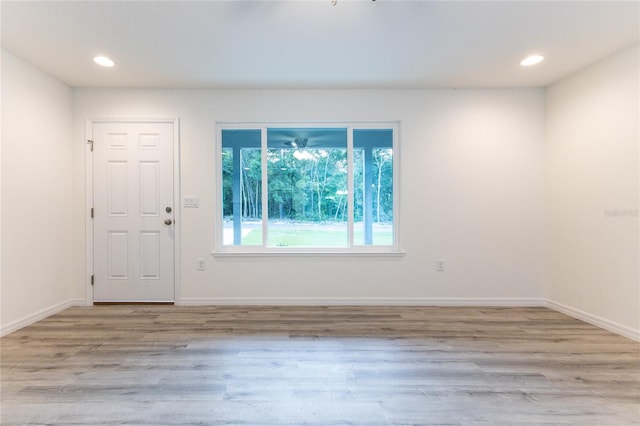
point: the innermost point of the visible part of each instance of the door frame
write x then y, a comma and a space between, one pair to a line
88, 200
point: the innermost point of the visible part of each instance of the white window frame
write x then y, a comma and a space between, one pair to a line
263, 250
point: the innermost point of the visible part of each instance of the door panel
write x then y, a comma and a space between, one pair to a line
133, 186
118, 255
150, 255
117, 188
149, 188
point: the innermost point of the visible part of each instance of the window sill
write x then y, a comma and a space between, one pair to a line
314, 253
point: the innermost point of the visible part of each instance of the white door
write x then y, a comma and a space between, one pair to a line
133, 225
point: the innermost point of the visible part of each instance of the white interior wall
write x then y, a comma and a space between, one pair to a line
1, 126
592, 191
472, 172
36, 194
471, 193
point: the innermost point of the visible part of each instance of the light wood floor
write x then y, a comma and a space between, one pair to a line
158, 365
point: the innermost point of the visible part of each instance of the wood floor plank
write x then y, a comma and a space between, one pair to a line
338, 365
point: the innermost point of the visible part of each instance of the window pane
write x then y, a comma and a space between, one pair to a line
306, 192
373, 186
242, 187
307, 187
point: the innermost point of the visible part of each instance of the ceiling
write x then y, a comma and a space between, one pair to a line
312, 44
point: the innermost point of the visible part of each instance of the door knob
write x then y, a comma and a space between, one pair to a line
168, 222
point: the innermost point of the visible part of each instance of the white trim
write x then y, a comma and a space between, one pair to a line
222, 250
218, 227
132, 119
365, 301
88, 204
397, 172
38, 316
177, 210
600, 322
274, 252
351, 189
264, 171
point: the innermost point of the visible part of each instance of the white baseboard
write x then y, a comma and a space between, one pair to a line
40, 315
603, 323
363, 301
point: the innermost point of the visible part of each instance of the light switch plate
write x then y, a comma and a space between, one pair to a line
191, 201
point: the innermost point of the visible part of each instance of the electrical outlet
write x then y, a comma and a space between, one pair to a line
200, 264
440, 265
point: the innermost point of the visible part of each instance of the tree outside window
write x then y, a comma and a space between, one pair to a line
321, 187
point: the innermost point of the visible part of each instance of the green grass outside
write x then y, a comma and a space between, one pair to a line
300, 237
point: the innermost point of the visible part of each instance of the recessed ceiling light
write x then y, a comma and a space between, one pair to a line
531, 60
104, 61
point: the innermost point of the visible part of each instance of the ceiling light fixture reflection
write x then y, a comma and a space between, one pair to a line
104, 61
297, 143
531, 60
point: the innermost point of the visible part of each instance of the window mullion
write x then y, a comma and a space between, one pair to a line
265, 184
237, 195
350, 187
396, 184
368, 195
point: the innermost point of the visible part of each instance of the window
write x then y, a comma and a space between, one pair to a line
320, 188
